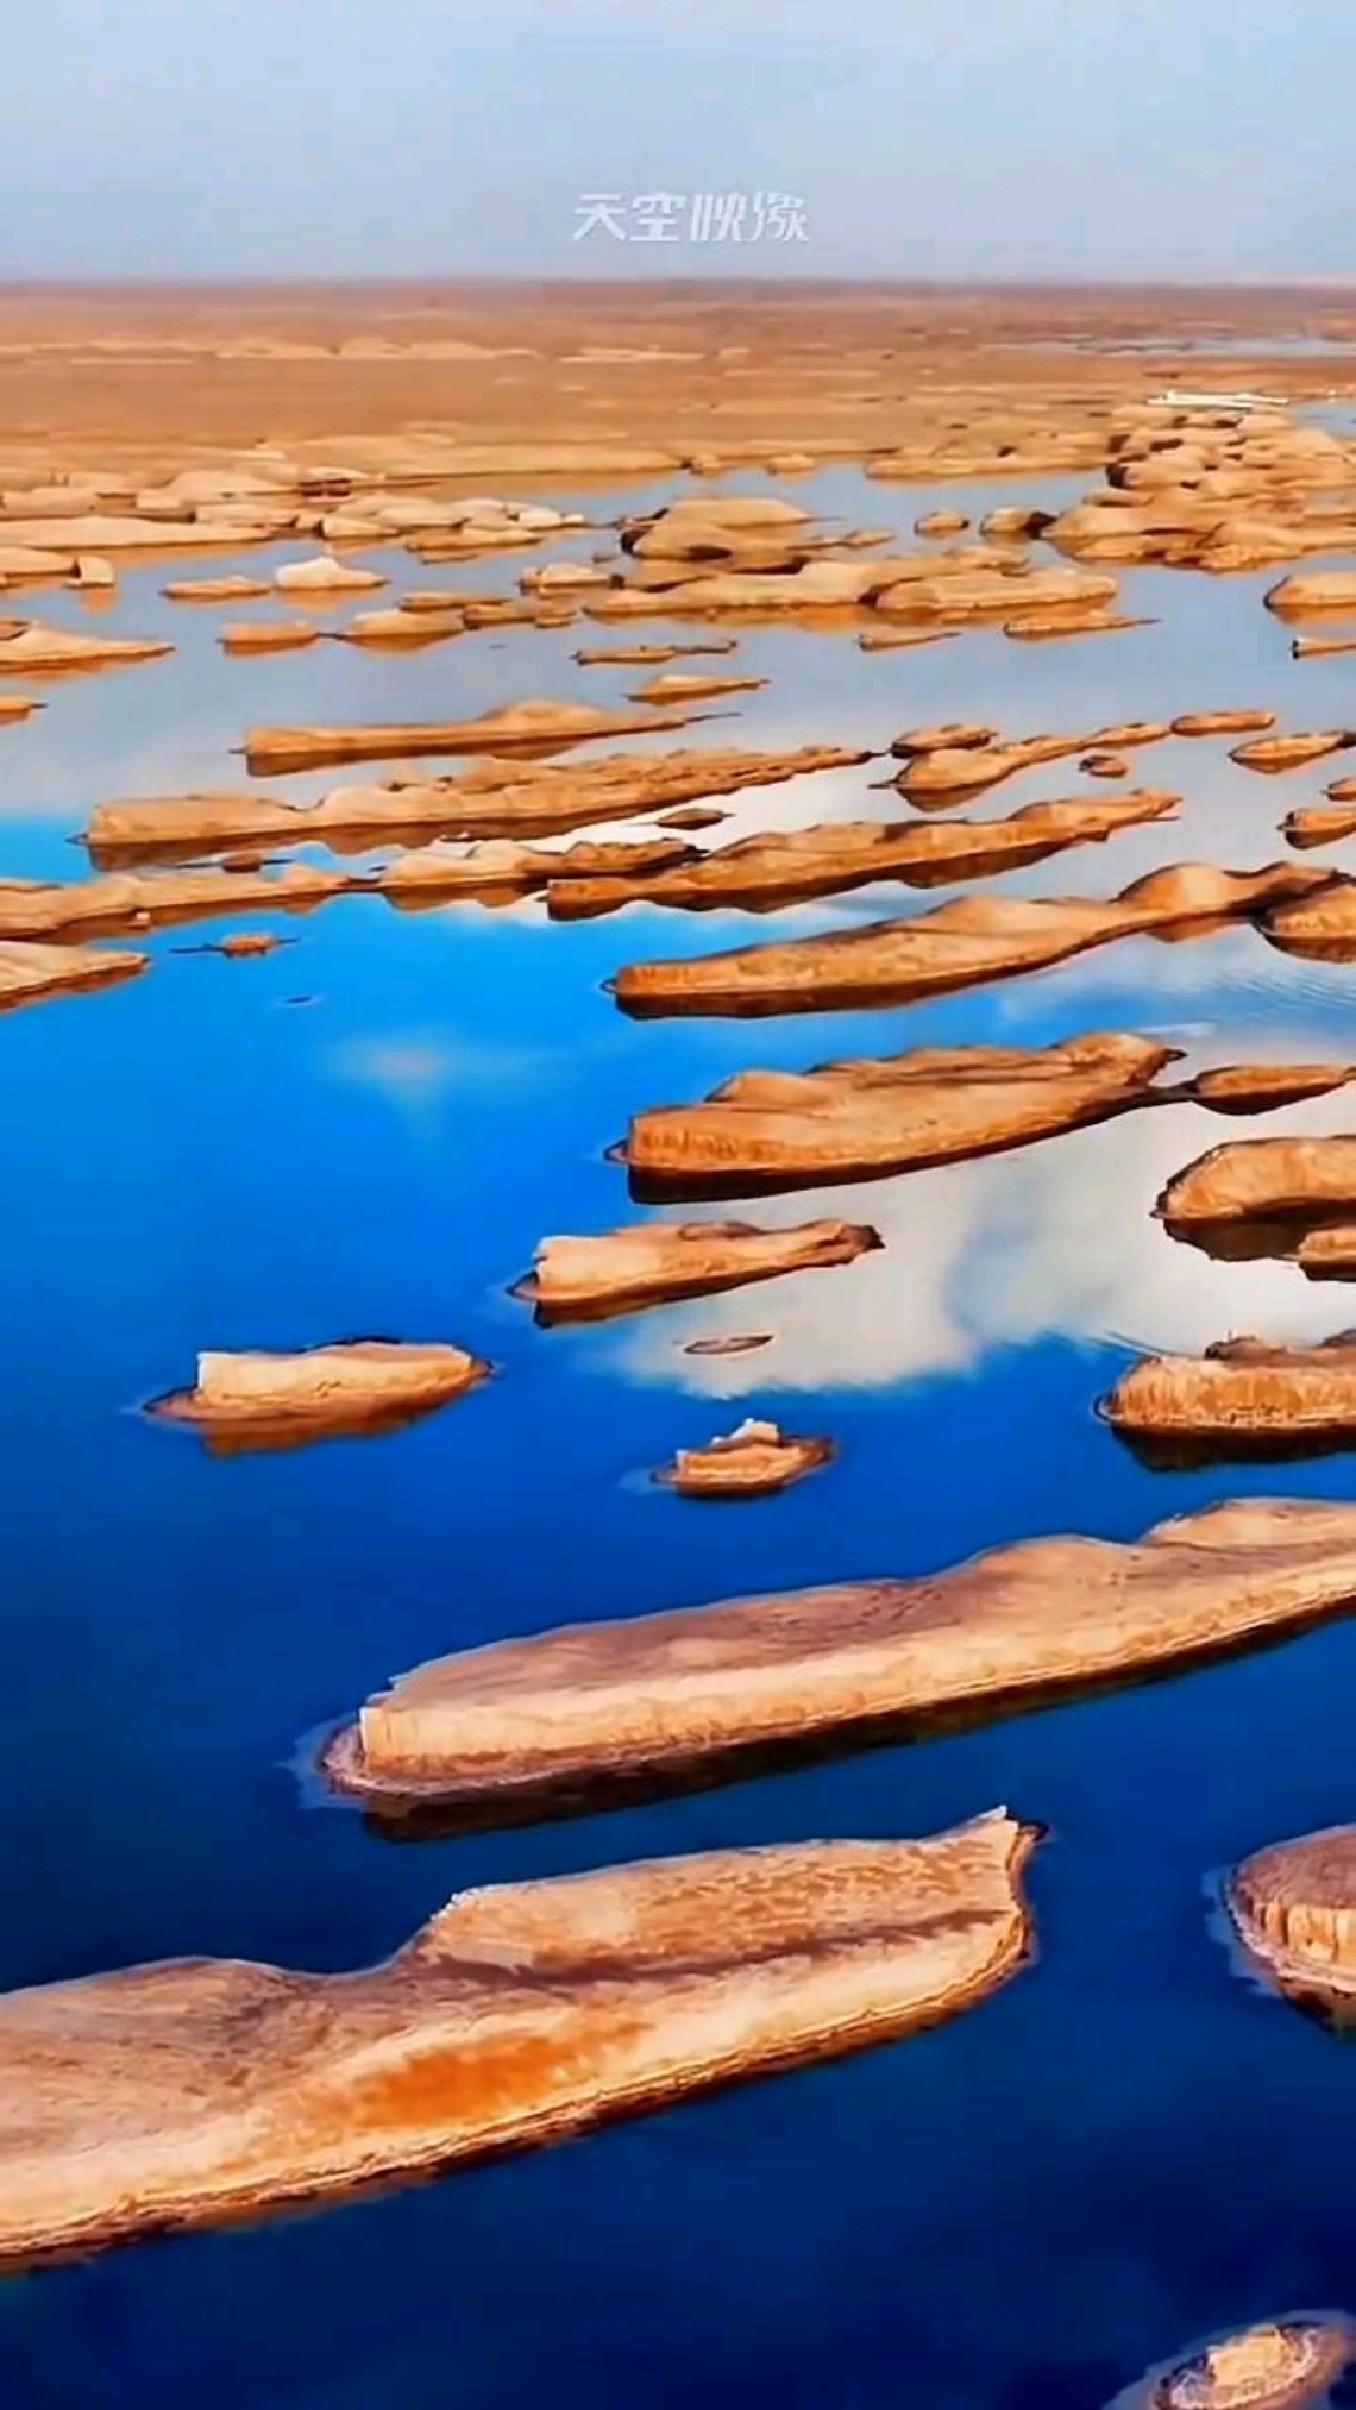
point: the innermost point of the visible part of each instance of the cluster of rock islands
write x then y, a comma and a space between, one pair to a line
532, 2010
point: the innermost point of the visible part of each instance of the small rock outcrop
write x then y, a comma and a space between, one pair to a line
651, 1263
754, 1461
1279, 2367
355, 1385
1293, 1907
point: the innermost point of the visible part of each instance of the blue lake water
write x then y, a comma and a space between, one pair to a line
1127, 2147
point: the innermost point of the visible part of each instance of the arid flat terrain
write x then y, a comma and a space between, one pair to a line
160, 375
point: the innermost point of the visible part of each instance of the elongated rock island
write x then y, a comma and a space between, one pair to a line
935, 1104
661, 1695
1242, 1390
961, 944
777, 866
1303, 1182
543, 727
587, 1279
255, 1399
501, 799
203, 2090
28, 972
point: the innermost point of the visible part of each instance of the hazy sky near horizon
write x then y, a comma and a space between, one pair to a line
1004, 138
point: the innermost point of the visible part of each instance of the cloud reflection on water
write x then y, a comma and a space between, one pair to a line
1057, 1240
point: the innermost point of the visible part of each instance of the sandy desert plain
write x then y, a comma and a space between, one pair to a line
700, 940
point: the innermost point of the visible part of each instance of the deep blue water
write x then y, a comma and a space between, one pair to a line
1125, 2148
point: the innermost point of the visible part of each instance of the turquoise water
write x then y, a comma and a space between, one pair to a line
1125, 2148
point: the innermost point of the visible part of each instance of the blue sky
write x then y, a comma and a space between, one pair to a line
1009, 138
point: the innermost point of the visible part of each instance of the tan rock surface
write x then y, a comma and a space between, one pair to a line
520, 2013
1314, 824
261, 1400
1308, 648
1262, 1087
1320, 927
683, 686
1328, 1254
542, 727
901, 640
1263, 1181
947, 736
753, 1461
834, 856
660, 1694
1272, 753
501, 865
1041, 627
96, 532
640, 656
1315, 590
489, 801
402, 627
1293, 1907
652, 1263
325, 575
962, 770
781, 1129
960, 944
269, 636
1277, 2367
40, 650
1241, 1389
30, 972
994, 593
63, 909
1221, 723
216, 589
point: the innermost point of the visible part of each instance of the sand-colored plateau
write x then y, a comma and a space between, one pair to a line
1261, 1195
661, 1695
1240, 1391
28, 972
35, 650
499, 867
651, 1263
960, 944
520, 2013
529, 728
490, 801
1321, 927
1313, 824
782, 1129
1293, 751
61, 909
833, 856
260, 1400
269, 636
